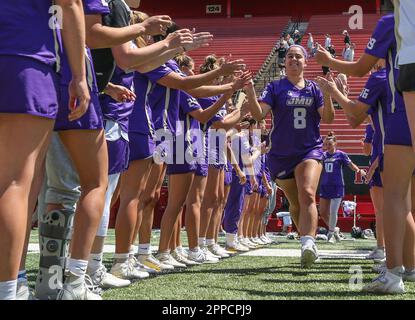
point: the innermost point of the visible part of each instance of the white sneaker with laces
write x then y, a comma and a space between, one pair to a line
265, 240
309, 255
106, 280
75, 288
197, 256
236, 247
151, 262
209, 253
166, 258
210, 258
376, 254
179, 258
387, 283
218, 251
139, 266
379, 267
331, 238
127, 271
250, 245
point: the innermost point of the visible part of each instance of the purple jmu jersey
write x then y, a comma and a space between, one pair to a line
206, 103
91, 7
164, 102
375, 95
383, 45
25, 30
296, 120
187, 105
333, 168
141, 120
116, 111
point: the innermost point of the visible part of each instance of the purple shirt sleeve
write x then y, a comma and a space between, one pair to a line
268, 95
96, 7
380, 42
188, 103
346, 159
371, 93
156, 74
319, 97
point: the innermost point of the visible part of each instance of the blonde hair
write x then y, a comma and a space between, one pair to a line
331, 136
211, 63
139, 17
183, 60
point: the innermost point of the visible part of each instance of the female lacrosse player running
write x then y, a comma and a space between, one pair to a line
296, 152
332, 184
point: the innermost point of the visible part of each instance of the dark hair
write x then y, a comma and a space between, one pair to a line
252, 122
172, 28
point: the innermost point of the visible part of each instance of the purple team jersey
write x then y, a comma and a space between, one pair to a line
116, 111
296, 121
375, 95
25, 30
164, 102
383, 45
333, 168
141, 120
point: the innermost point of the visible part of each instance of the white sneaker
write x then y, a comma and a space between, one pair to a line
248, 244
309, 255
409, 276
379, 267
197, 256
179, 258
376, 254
210, 258
331, 238
236, 247
207, 252
387, 283
265, 240
183, 252
166, 258
106, 280
75, 288
259, 241
23, 291
218, 251
139, 266
127, 271
151, 262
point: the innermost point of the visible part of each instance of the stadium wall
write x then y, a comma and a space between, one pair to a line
240, 8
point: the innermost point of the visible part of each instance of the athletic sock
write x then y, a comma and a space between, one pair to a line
121, 257
77, 267
202, 242
94, 262
195, 249
230, 239
8, 290
307, 241
132, 250
210, 242
144, 248
397, 271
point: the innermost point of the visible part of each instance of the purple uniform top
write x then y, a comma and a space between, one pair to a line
91, 7
375, 95
383, 45
25, 30
369, 133
296, 121
141, 120
214, 156
164, 102
113, 110
187, 105
333, 168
